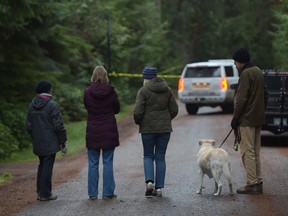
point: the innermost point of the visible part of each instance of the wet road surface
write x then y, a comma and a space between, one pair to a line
179, 194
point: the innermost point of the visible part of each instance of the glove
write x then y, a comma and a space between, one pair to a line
64, 149
237, 139
234, 123
235, 146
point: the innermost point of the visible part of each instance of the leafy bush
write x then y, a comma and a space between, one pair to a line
70, 101
126, 88
15, 119
8, 144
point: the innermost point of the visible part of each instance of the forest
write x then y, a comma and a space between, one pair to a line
63, 40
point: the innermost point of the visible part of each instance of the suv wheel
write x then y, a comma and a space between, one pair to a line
192, 109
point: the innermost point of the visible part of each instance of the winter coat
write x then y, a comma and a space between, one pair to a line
101, 102
251, 97
155, 107
44, 123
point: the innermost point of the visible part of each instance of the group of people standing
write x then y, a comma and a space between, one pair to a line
155, 107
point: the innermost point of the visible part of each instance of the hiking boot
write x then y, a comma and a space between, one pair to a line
149, 189
52, 197
260, 185
109, 197
251, 189
157, 192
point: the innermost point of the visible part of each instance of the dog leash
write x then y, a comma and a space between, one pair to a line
226, 138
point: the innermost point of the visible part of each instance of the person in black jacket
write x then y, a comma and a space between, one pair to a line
44, 123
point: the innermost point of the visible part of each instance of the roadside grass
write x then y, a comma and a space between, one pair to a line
4, 177
75, 135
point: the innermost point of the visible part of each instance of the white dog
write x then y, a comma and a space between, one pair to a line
213, 162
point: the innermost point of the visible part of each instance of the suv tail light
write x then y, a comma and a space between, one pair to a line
224, 83
180, 84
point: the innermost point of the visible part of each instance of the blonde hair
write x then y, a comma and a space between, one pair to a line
99, 75
146, 81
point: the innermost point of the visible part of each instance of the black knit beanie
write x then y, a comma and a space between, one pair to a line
43, 86
241, 55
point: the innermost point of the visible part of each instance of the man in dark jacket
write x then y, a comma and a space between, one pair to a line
248, 118
45, 125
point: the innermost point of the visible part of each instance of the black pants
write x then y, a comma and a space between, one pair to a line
44, 175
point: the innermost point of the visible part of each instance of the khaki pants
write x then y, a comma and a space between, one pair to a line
250, 153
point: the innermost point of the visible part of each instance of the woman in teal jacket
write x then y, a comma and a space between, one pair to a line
155, 107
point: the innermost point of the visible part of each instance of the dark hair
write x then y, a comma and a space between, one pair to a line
241, 55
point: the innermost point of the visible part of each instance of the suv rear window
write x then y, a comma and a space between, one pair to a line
229, 71
203, 72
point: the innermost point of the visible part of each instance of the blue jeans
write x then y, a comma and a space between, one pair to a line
154, 146
44, 175
93, 172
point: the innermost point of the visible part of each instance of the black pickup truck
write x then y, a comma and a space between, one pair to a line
277, 106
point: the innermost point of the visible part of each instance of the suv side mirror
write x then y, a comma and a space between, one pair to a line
234, 86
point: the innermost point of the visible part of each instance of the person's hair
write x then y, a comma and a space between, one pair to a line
145, 81
99, 75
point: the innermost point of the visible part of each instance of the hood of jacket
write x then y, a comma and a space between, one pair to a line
99, 90
157, 85
40, 101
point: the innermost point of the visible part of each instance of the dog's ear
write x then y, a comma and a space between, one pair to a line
200, 142
212, 142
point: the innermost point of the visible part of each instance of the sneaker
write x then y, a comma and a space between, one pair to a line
52, 197
109, 197
149, 189
157, 192
93, 197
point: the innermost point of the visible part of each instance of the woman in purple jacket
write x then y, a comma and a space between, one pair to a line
101, 102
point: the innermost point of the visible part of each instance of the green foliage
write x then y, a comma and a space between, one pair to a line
143, 36
8, 144
5, 177
37, 44
15, 120
63, 40
14, 117
126, 93
20, 52
280, 35
76, 132
70, 101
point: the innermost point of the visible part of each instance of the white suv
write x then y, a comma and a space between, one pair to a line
207, 84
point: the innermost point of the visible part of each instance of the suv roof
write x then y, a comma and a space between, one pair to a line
277, 73
212, 62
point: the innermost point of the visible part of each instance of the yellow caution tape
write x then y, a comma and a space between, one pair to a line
114, 74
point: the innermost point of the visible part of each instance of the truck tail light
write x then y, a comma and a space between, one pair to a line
180, 84
224, 83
